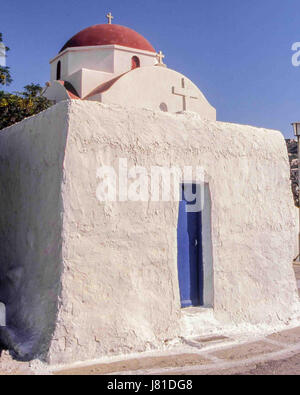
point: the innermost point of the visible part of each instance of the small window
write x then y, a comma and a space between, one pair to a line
135, 62
58, 70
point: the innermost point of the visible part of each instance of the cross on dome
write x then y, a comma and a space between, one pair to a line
110, 18
160, 56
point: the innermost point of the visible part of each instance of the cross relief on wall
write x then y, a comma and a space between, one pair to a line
185, 92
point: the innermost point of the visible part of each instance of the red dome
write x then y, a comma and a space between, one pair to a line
109, 35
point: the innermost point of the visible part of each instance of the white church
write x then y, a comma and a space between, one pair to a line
81, 277
113, 64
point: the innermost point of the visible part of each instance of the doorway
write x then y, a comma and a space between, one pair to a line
190, 257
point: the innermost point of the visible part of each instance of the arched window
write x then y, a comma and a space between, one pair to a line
135, 62
58, 70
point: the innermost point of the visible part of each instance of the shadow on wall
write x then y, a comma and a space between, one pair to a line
30, 236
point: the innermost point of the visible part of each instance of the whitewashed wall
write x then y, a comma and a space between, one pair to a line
119, 285
150, 87
31, 171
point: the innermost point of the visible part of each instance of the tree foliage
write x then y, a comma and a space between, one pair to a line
14, 107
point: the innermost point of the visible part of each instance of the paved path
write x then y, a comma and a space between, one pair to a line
278, 353
284, 366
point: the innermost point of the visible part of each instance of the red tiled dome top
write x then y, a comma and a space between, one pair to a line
109, 34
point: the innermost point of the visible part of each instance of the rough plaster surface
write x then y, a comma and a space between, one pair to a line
110, 270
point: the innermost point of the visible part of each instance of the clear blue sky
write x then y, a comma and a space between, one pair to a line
237, 51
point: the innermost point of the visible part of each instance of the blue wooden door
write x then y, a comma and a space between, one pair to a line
189, 234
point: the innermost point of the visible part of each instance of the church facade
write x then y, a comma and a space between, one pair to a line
93, 261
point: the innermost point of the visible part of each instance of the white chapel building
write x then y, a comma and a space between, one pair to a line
81, 277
